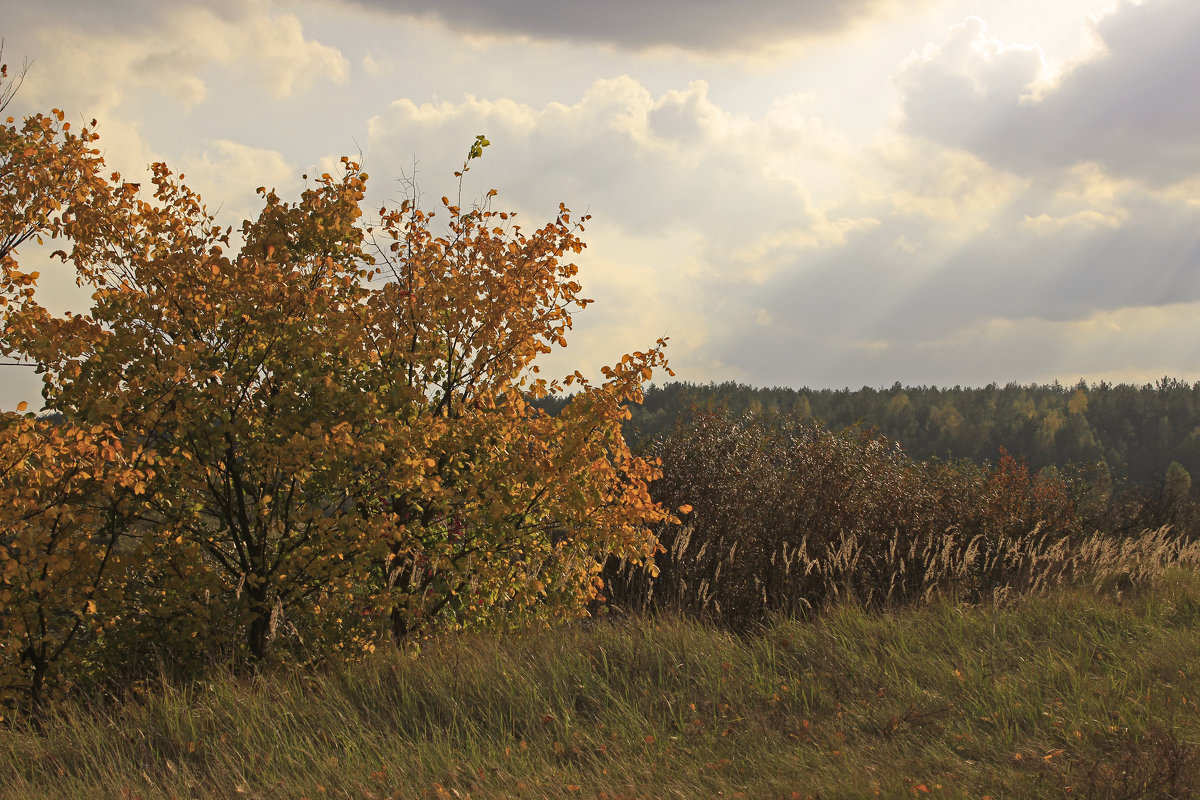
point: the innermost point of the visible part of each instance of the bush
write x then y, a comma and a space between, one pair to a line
787, 517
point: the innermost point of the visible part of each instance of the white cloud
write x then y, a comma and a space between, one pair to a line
163, 58
273, 50
227, 173
687, 116
690, 207
167, 51
378, 66
922, 179
604, 154
921, 241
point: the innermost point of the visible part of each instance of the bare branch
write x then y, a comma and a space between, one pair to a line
10, 85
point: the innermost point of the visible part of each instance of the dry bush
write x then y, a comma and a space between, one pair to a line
788, 517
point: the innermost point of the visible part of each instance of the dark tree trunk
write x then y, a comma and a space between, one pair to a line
37, 680
399, 625
260, 624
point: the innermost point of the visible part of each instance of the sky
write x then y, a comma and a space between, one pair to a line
831, 193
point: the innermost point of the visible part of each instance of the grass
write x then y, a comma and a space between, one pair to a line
1065, 694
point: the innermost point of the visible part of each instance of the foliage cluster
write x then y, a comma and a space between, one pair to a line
313, 435
786, 516
1069, 694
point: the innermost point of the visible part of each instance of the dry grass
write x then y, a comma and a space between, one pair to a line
1064, 694
802, 577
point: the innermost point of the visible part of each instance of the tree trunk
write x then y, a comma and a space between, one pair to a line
260, 624
399, 626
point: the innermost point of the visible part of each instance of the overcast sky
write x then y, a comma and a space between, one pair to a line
824, 193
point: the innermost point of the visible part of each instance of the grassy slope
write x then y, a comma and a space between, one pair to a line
1061, 696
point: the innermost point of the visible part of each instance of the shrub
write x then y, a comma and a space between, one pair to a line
786, 517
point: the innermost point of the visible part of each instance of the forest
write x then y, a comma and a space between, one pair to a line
1134, 431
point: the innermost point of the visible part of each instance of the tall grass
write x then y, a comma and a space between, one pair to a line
729, 581
1066, 694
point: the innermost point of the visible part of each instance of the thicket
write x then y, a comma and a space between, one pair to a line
785, 516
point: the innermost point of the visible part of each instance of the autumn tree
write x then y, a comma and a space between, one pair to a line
68, 489
339, 412
45, 168
68, 496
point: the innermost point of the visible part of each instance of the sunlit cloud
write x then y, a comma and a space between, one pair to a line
1019, 198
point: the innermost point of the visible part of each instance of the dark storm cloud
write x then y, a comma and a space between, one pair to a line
1134, 109
703, 25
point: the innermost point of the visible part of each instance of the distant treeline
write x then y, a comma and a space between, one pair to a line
1135, 431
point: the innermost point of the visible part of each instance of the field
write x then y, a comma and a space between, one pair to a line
1073, 693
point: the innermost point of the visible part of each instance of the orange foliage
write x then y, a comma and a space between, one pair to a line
339, 413
68, 495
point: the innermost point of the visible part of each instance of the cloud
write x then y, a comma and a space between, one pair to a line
1134, 345
92, 66
972, 274
138, 59
645, 163
698, 25
226, 173
912, 278
1127, 108
273, 50
1012, 221
705, 231
692, 205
